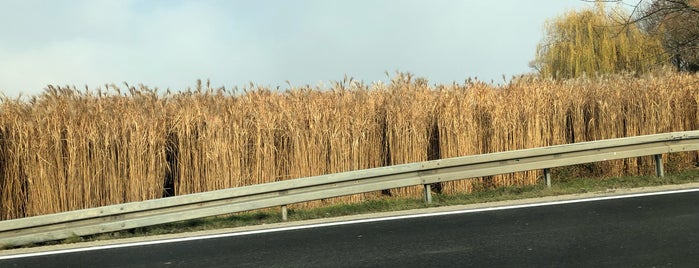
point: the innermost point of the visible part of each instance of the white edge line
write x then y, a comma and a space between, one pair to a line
301, 227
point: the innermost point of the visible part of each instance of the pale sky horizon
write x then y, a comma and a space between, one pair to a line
171, 44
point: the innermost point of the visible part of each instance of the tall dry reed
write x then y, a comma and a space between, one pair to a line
68, 149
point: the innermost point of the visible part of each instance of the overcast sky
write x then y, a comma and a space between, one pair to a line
171, 44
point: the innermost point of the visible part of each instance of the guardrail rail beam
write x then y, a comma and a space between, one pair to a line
177, 208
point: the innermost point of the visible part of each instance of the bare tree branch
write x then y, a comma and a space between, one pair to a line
675, 21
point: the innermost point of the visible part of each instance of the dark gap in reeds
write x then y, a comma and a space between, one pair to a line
434, 152
569, 129
171, 156
63, 143
386, 159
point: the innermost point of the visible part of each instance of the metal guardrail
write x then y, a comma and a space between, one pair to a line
152, 212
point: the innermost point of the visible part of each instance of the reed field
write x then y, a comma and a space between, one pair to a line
68, 149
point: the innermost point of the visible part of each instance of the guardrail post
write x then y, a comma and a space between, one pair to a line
428, 194
547, 177
659, 166
284, 213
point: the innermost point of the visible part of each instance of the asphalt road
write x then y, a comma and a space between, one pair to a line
648, 231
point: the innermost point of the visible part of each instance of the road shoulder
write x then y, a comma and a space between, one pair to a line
445, 209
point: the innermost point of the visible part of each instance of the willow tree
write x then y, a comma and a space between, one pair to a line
593, 42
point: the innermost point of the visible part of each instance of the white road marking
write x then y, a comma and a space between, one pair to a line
301, 227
